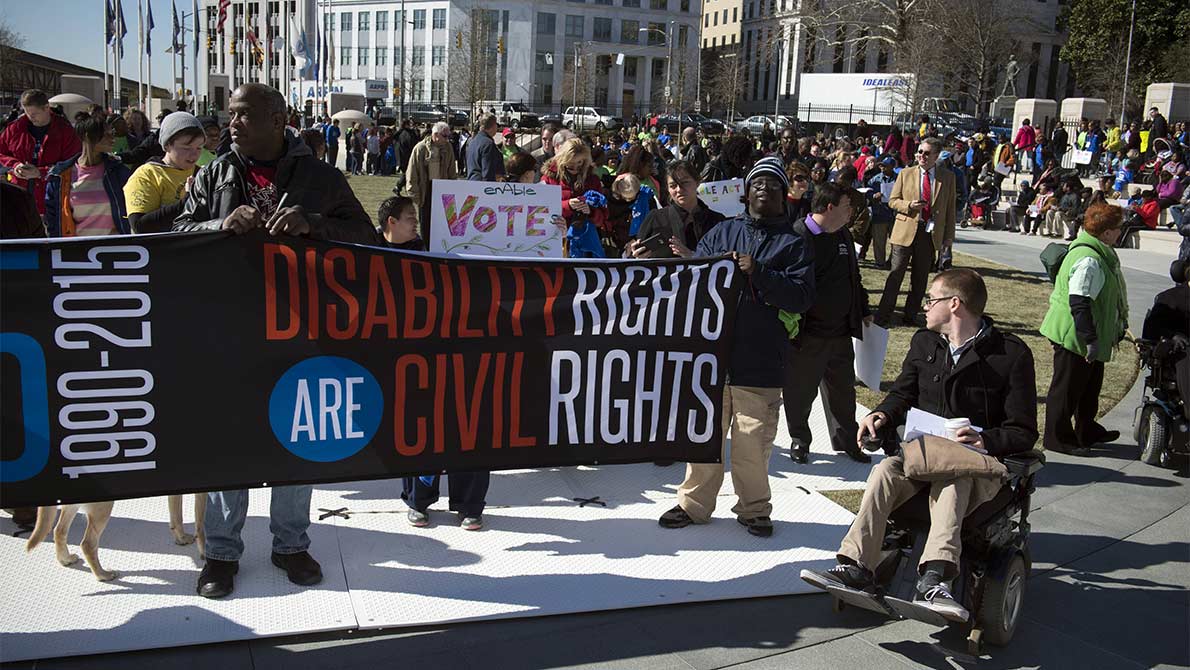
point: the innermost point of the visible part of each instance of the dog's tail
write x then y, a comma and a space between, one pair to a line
45, 521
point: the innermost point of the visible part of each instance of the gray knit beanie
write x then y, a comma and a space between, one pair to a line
176, 122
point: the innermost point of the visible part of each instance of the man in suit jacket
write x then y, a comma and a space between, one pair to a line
924, 199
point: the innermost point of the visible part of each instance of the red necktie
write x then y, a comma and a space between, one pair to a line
925, 195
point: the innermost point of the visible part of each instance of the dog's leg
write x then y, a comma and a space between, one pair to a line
61, 532
176, 527
200, 523
98, 514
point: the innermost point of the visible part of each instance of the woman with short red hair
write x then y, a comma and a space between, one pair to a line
1087, 318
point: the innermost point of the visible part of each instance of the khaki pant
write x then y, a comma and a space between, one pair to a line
754, 411
888, 488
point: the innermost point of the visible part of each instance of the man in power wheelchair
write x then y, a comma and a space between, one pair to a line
1163, 419
963, 516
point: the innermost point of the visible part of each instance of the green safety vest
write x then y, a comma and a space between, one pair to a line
1110, 307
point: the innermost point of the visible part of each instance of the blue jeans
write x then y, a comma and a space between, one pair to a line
289, 518
468, 492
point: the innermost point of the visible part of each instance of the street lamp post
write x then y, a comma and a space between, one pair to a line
667, 34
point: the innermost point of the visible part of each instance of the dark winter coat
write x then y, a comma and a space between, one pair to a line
783, 279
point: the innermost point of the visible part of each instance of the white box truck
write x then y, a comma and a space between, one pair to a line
847, 98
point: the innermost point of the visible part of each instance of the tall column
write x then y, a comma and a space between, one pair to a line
645, 85
615, 88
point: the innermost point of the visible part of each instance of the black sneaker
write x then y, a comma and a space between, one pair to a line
933, 592
675, 518
217, 578
760, 526
850, 576
301, 568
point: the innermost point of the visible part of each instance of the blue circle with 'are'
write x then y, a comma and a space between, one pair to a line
325, 409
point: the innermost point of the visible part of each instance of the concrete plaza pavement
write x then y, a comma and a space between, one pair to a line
1110, 586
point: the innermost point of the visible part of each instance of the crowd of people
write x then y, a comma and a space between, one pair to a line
813, 206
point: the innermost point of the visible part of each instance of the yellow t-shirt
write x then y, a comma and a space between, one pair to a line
153, 186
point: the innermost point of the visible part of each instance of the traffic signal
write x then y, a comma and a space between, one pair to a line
396, 91
459, 39
500, 45
210, 42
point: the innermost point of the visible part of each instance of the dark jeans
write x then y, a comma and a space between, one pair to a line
332, 154
468, 492
922, 256
826, 365
1074, 394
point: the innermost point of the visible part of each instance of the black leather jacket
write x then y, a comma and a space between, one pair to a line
320, 189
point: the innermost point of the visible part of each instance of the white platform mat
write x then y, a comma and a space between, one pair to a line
50, 610
557, 557
541, 553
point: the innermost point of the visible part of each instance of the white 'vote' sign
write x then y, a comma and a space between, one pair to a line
480, 218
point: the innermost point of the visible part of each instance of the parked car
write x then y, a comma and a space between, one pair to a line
755, 124
590, 118
696, 120
550, 117
510, 114
429, 112
668, 121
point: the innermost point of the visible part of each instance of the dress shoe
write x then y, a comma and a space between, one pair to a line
799, 455
217, 578
856, 454
1105, 437
301, 568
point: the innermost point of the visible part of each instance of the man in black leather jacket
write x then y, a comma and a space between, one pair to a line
242, 191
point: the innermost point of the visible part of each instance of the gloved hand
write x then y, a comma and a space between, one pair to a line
1092, 352
1180, 342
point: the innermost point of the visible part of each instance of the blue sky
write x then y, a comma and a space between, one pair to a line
72, 30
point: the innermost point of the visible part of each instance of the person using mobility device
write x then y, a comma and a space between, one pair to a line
1163, 419
957, 507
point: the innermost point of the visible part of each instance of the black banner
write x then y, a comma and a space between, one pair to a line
135, 366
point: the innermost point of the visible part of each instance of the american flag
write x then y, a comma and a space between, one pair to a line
223, 5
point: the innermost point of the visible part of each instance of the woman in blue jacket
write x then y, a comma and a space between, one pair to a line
84, 195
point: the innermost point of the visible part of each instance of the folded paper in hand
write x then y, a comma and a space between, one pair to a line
920, 422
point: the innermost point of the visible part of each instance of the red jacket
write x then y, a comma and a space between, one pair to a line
16, 147
598, 216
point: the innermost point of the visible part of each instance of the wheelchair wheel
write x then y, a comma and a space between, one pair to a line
1154, 434
1003, 600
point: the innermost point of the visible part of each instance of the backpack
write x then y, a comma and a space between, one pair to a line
1054, 253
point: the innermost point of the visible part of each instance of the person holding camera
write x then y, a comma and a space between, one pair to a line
959, 366
676, 229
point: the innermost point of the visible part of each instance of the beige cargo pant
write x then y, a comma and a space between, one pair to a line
751, 413
889, 488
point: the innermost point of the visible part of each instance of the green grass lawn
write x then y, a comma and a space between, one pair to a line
371, 191
1017, 302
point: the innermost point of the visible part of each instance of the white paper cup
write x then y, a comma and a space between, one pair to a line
953, 426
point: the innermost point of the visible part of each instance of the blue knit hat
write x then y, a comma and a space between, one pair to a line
771, 166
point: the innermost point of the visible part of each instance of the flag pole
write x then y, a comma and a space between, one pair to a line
107, 84
149, 59
195, 19
140, 56
118, 55
268, 46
